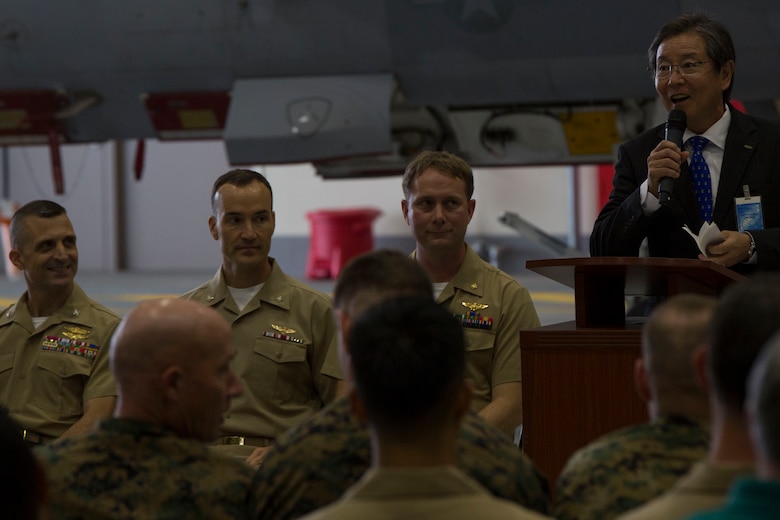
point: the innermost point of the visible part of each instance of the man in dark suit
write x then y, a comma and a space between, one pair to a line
692, 59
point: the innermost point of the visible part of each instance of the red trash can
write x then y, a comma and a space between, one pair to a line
336, 236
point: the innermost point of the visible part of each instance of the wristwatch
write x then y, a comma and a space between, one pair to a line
752, 248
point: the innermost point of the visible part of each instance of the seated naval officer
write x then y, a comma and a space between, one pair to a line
54, 376
492, 306
283, 330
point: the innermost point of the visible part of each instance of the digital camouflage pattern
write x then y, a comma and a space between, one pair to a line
131, 469
313, 464
627, 467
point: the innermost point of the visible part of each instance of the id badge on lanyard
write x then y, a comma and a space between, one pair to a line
750, 215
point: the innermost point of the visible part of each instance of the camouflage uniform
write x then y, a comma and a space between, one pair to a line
133, 469
286, 355
46, 374
626, 468
313, 464
492, 331
702, 489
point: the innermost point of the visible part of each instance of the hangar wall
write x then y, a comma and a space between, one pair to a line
160, 222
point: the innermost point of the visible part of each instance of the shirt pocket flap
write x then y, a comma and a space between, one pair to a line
280, 351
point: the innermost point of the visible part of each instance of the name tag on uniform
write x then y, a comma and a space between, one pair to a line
750, 214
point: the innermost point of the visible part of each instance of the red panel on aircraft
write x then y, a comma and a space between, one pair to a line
187, 115
27, 116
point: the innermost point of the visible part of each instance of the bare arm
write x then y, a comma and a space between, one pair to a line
505, 410
341, 389
94, 410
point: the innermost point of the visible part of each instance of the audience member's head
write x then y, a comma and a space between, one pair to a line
22, 480
763, 411
372, 277
171, 360
408, 358
666, 375
747, 315
367, 280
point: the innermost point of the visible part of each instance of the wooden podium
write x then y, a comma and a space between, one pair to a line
578, 376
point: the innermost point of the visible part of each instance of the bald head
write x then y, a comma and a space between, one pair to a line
171, 360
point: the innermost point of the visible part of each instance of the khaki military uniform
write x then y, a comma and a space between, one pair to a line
703, 489
492, 308
285, 339
46, 375
628, 467
314, 463
442, 492
134, 469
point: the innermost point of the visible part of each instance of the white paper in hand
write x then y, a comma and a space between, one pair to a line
709, 235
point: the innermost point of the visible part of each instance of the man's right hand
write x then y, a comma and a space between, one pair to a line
256, 457
664, 161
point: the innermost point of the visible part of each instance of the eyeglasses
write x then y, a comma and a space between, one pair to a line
688, 68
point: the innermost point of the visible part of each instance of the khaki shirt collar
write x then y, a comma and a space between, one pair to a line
275, 291
73, 311
470, 278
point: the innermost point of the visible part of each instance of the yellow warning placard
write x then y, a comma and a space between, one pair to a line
590, 132
198, 118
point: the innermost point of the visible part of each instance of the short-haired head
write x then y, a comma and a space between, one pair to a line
36, 208
673, 332
717, 40
375, 276
746, 316
408, 358
763, 396
445, 162
238, 177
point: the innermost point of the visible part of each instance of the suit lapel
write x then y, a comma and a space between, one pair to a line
740, 145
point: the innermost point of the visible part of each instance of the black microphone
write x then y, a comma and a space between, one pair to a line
673, 131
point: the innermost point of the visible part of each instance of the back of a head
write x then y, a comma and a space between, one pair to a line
408, 357
747, 315
36, 208
444, 162
22, 481
762, 399
674, 330
160, 332
372, 277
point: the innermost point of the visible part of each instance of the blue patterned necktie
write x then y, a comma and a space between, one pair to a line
700, 173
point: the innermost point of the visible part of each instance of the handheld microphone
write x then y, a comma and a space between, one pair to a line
673, 131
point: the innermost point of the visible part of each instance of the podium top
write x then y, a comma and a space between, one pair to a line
601, 283
643, 276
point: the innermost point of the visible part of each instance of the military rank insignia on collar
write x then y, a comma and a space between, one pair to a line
474, 319
283, 333
70, 346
